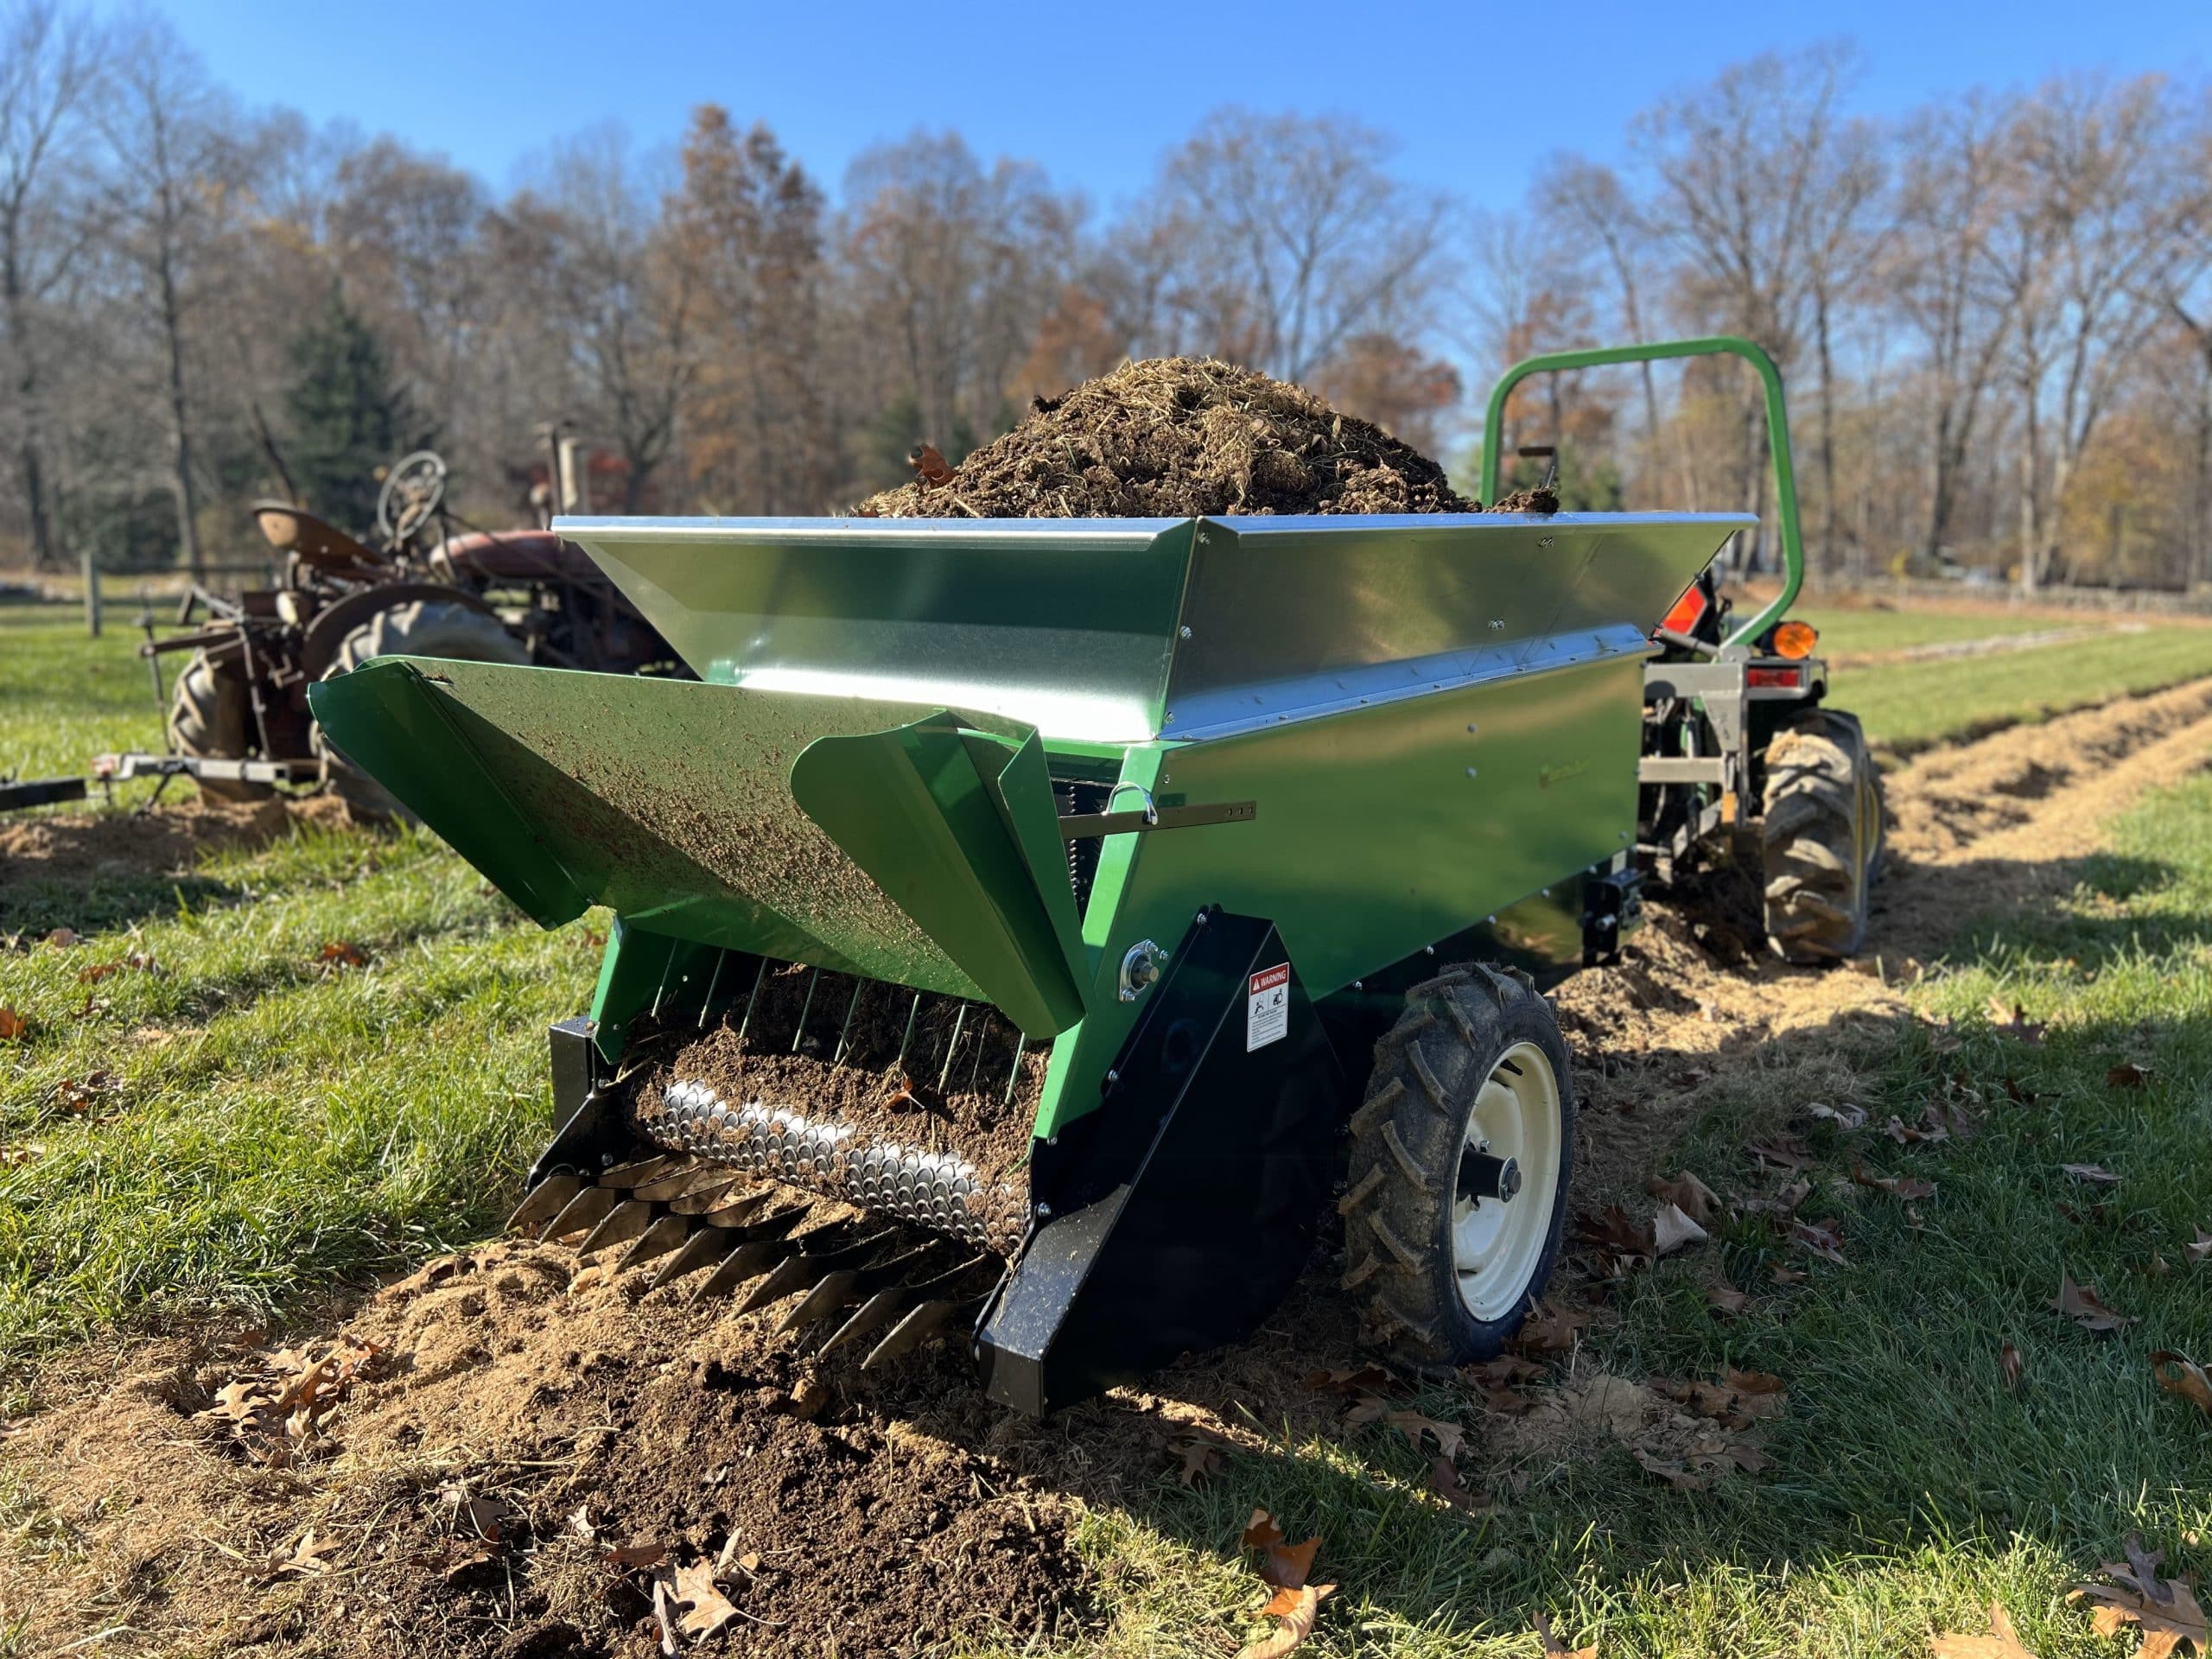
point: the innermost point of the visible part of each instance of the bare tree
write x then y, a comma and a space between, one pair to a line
173, 184
583, 256
1279, 239
953, 268
48, 63
1938, 277
2108, 218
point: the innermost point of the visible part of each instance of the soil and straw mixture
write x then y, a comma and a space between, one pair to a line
1180, 436
928, 1072
524, 1451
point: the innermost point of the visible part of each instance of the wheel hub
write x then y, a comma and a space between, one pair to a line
1506, 1186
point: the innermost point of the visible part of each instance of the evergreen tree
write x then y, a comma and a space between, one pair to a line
349, 416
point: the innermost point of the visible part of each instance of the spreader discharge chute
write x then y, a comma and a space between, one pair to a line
1024, 929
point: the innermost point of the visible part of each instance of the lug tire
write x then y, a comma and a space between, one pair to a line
210, 717
423, 628
1822, 824
1406, 1221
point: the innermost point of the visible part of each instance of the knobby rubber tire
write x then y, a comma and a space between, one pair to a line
423, 627
1822, 824
211, 718
1407, 1138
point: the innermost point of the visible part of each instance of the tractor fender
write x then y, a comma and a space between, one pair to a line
319, 649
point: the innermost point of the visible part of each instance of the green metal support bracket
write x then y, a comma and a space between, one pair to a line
1777, 435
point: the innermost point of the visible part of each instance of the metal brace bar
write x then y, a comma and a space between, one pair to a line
1081, 826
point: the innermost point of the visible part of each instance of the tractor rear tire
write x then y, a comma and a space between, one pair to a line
422, 628
1456, 1197
211, 718
1822, 824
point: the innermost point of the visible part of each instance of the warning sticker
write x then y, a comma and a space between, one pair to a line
1266, 1009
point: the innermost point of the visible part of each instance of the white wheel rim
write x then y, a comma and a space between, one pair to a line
1497, 1243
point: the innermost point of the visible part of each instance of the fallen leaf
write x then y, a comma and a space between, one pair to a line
2011, 1020
2178, 1374
1897, 1131
303, 1555
1444, 1480
2128, 1075
2081, 1304
1555, 1648
1900, 1187
710, 1609
1847, 1116
1365, 1379
1783, 1276
2003, 1642
1724, 1298
1260, 1532
1413, 1425
1686, 1193
2201, 1250
1618, 1236
627, 1557
340, 953
2010, 1367
486, 1516
1673, 1472
929, 466
2095, 1174
2165, 1609
62, 938
1672, 1228
1819, 1238
1297, 1609
664, 1617
1287, 1565
1198, 1458
1548, 1330
11, 1024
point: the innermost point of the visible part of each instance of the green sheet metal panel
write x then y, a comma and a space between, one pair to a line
670, 801
1377, 831
1066, 624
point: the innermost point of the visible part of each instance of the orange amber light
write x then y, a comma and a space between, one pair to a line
1795, 640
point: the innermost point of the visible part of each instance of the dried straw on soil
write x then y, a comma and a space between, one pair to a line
1178, 436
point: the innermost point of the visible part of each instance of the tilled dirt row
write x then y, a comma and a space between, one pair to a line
514, 1457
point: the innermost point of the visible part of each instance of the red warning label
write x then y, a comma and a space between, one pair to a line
1266, 1007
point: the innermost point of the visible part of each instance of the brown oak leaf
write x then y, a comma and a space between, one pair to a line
2081, 1304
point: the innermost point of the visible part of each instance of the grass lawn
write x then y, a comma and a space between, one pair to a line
1908, 706
1850, 630
270, 1123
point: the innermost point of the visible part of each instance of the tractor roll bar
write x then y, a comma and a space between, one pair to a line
1777, 436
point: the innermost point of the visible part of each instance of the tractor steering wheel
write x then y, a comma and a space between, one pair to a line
410, 494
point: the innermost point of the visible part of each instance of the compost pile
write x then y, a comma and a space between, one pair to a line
1180, 436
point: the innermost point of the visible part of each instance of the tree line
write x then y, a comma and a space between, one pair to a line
1992, 314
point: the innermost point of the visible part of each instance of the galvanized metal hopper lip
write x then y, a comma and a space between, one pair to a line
848, 528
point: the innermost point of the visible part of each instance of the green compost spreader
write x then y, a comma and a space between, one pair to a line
1213, 861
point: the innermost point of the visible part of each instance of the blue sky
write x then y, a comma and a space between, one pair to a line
1095, 92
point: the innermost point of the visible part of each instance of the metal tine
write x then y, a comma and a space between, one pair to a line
708, 1244
952, 1048
843, 1287
715, 1199
622, 1224
544, 1201
818, 1251
1020, 1044
717, 1238
913, 1014
890, 1305
759, 1248
625, 1176
844, 1031
586, 1210
681, 1181
751, 1000
918, 1326
798, 1031
664, 1236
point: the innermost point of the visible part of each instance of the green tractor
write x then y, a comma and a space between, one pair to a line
1027, 931
1743, 764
